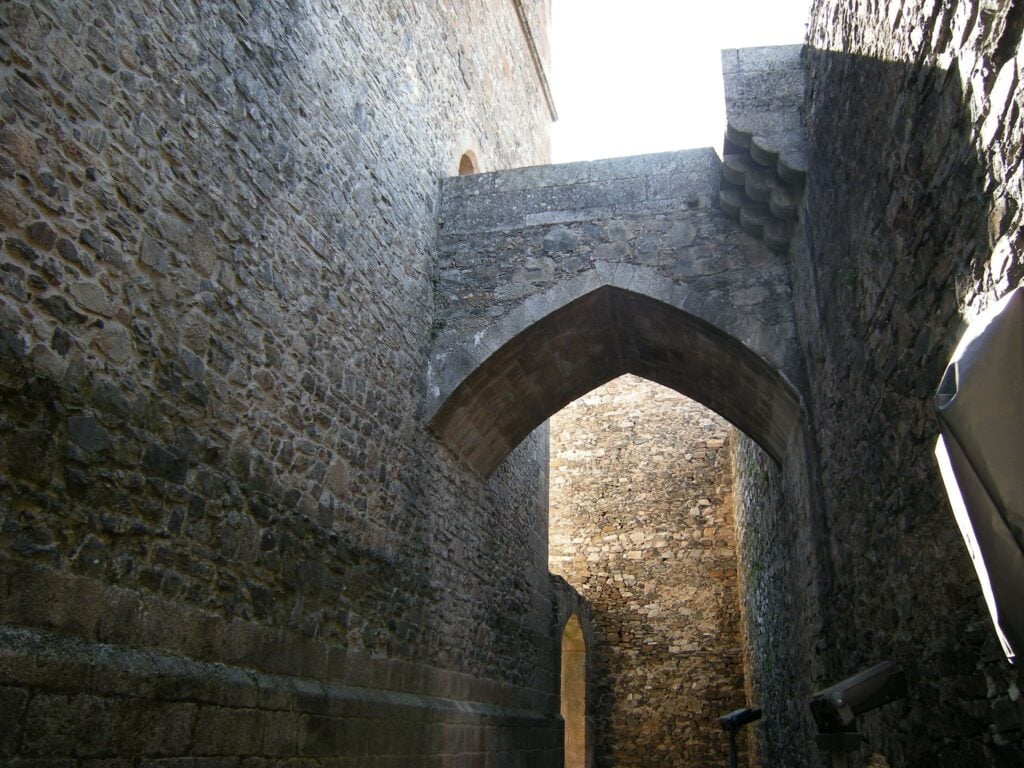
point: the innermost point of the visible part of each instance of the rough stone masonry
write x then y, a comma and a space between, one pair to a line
223, 530
642, 525
614, 266
270, 484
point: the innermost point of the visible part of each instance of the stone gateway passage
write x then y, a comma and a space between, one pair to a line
288, 294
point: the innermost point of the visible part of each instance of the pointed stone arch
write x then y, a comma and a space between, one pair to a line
541, 358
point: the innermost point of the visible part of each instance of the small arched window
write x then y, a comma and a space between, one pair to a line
467, 164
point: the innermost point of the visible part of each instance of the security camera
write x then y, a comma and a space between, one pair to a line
736, 720
836, 707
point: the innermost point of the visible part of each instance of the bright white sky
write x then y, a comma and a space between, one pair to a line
645, 75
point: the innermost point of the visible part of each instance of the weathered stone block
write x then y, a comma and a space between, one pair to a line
321, 736
74, 725
152, 728
228, 731
12, 709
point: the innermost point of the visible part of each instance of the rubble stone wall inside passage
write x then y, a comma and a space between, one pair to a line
641, 524
779, 563
223, 529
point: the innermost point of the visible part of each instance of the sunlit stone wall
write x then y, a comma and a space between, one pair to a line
642, 525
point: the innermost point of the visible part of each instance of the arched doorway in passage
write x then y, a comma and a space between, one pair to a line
468, 164
573, 693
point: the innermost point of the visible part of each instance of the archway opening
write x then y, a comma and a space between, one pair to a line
593, 339
641, 521
493, 394
467, 164
574, 693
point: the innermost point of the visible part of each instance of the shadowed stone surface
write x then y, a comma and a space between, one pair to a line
217, 238
606, 333
912, 218
227, 312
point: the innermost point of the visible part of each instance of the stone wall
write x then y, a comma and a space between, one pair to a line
223, 530
642, 525
911, 223
780, 584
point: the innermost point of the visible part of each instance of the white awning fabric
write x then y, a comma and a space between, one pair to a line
980, 404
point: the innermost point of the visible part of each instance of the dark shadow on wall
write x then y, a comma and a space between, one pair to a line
604, 703
902, 213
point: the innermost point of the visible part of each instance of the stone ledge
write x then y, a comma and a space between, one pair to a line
44, 600
511, 199
191, 707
